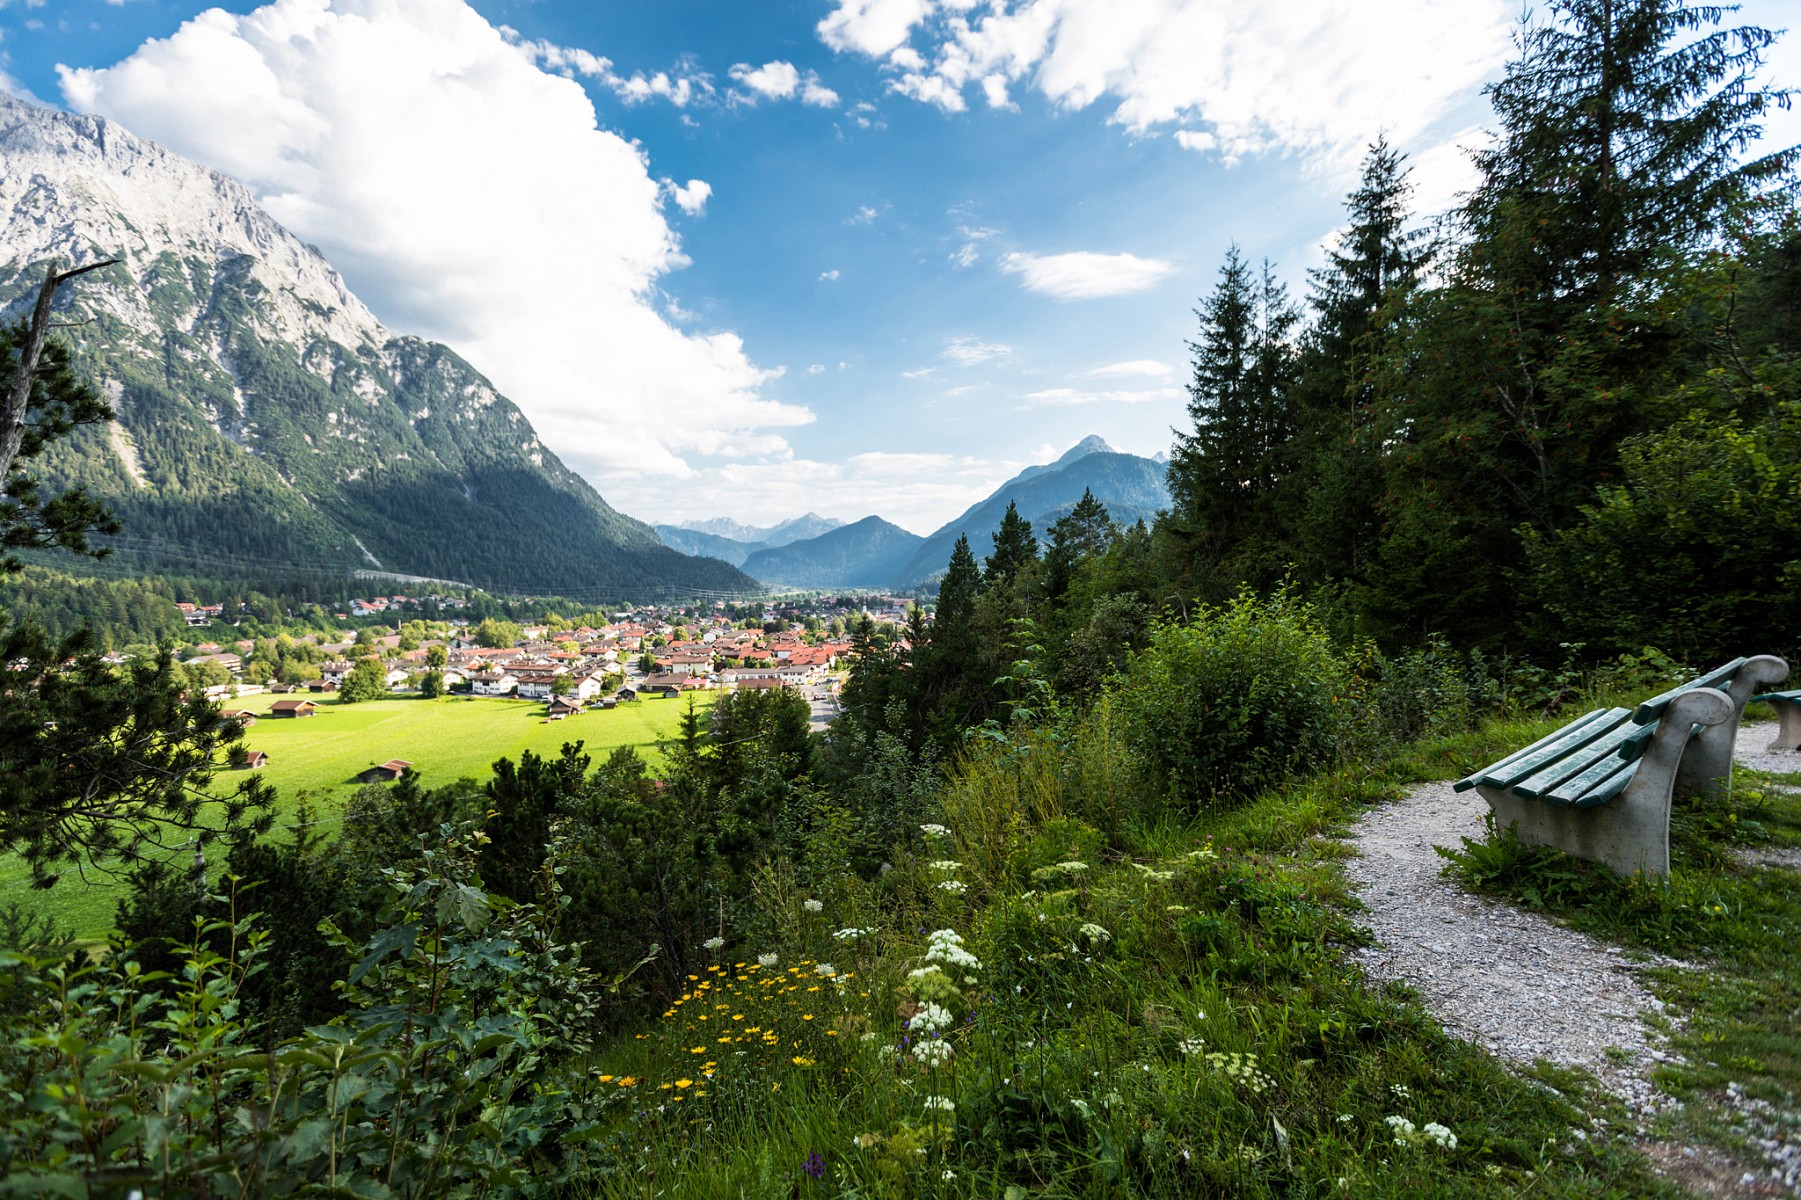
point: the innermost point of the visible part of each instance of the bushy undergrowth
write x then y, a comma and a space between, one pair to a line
1236, 699
440, 1080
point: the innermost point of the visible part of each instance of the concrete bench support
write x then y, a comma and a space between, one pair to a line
1788, 720
1630, 832
1707, 763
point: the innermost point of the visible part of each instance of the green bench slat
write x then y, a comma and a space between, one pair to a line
1603, 749
1570, 741
1470, 781
1594, 787
1653, 708
1793, 697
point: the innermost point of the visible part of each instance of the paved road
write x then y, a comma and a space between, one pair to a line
824, 704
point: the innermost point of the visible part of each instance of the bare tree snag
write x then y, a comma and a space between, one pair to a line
18, 390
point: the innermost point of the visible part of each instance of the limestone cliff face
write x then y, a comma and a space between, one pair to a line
264, 412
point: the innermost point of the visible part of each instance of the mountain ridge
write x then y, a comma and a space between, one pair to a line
1132, 487
865, 553
264, 411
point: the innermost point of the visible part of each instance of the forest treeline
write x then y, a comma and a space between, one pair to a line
1562, 423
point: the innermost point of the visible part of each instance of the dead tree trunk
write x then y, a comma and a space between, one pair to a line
18, 390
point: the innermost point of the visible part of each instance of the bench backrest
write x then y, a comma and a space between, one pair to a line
1719, 677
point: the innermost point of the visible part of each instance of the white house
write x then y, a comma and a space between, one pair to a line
503, 684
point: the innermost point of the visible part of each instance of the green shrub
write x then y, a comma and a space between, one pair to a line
443, 1078
1241, 697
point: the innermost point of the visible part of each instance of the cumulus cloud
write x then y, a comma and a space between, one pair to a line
1063, 397
469, 196
971, 352
686, 85
830, 276
865, 215
873, 27
1315, 76
781, 81
1084, 275
816, 368
690, 197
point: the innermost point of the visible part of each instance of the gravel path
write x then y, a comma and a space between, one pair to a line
1513, 981
1528, 988
1752, 750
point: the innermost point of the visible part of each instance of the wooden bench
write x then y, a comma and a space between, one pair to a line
1601, 787
1788, 714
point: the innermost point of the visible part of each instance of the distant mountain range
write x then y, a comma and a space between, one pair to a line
1130, 486
876, 554
867, 553
265, 417
724, 538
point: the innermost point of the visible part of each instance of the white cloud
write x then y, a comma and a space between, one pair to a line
966, 255
782, 81
872, 27
830, 276
921, 373
1138, 366
1198, 140
1316, 76
816, 368
1063, 397
863, 216
970, 352
1084, 275
469, 197
690, 197
1441, 173
688, 85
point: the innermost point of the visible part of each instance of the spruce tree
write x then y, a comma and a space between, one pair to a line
1014, 548
1085, 532
1554, 338
1367, 278
1223, 476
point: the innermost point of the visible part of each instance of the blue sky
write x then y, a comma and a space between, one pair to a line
852, 256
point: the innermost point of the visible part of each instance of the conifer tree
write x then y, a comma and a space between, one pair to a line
1014, 548
1086, 531
1553, 340
1223, 475
1367, 278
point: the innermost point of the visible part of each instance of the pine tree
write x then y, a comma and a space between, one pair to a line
1223, 475
1550, 345
1014, 548
1367, 279
1085, 532
1623, 123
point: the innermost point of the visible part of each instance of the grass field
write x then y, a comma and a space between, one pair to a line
319, 757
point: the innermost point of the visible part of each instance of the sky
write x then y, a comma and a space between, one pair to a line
846, 256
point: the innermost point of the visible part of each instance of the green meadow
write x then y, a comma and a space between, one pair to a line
318, 758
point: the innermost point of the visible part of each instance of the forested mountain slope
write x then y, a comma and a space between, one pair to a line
1130, 486
865, 553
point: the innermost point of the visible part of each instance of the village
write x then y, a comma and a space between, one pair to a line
646, 653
